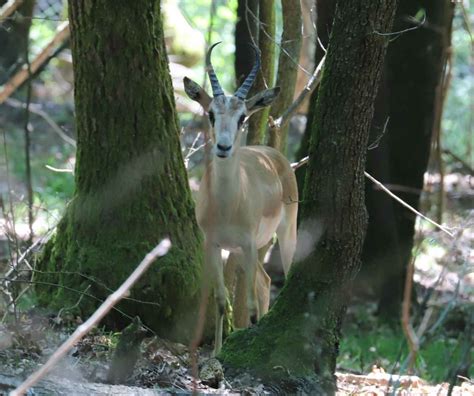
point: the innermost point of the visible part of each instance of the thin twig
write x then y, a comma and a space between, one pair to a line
310, 87
279, 44
159, 251
10, 198
36, 109
305, 160
417, 26
377, 140
27, 131
398, 199
410, 335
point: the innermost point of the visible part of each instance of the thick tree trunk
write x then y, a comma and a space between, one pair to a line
265, 78
413, 73
14, 40
131, 185
287, 69
299, 337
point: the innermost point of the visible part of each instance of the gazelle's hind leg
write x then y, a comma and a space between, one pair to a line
286, 233
262, 285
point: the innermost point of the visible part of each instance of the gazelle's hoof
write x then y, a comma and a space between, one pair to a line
212, 373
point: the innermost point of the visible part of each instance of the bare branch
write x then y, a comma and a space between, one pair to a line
159, 251
310, 87
417, 26
9, 8
19, 78
36, 109
396, 198
305, 160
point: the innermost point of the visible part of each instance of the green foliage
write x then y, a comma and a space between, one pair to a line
41, 32
197, 13
366, 342
457, 118
51, 190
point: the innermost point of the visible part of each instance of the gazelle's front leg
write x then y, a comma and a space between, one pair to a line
215, 271
250, 268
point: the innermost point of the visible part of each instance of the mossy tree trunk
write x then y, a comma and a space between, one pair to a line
413, 74
299, 337
265, 78
14, 39
290, 48
131, 184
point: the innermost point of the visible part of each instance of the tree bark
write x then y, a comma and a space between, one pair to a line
413, 73
131, 184
265, 78
287, 69
324, 18
299, 337
14, 40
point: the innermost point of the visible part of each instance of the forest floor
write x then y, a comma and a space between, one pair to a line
372, 357
163, 368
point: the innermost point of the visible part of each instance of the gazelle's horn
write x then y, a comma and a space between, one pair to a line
216, 87
244, 89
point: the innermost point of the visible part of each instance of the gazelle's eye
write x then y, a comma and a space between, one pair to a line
241, 120
211, 118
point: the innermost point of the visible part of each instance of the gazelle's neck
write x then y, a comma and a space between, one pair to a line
225, 179
226, 170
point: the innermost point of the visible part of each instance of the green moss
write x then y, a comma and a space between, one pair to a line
131, 184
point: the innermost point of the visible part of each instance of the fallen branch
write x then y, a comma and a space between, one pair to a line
87, 326
22, 75
305, 160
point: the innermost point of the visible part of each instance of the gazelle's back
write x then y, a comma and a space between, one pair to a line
261, 161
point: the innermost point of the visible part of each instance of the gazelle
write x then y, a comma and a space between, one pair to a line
246, 194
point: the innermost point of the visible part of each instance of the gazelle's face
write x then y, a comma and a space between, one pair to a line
227, 115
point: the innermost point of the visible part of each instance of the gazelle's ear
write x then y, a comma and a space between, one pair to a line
261, 100
195, 92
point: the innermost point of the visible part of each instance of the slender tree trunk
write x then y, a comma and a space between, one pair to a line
246, 31
131, 184
14, 39
265, 78
413, 72
299, 337
287, 69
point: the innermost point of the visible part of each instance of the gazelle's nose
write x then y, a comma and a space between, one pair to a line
223, 147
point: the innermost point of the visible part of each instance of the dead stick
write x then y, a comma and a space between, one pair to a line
305, 160
87, 326
410, 335
9, 8
21, 76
